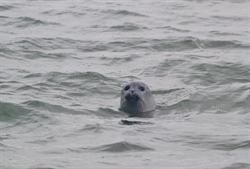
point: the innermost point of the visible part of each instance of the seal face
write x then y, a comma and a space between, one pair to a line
136, 99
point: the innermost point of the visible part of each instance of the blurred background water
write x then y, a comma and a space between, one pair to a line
63, 64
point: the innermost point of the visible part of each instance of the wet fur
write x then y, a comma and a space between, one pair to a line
135, 102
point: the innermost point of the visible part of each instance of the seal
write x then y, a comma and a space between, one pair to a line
137, 99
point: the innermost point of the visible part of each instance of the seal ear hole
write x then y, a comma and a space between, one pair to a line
141, 88
126, 87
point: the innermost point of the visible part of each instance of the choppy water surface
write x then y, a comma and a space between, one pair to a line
63, 64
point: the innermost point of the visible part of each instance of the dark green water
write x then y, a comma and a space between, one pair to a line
63, 64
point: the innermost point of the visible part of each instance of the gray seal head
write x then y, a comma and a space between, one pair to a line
137, 99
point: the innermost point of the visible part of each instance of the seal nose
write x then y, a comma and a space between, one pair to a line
132, 91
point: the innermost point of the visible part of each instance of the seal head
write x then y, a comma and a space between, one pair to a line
136, 99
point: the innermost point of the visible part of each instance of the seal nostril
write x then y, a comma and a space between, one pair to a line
132, 91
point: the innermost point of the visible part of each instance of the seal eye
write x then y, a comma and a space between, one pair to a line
126, 87
141, 88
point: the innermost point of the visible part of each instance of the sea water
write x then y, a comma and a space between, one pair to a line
63, 63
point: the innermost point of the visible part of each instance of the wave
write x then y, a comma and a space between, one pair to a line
6, 7
26, 22
40, 105
46, 55
108, 113
121, 147
117, 147
35, 48
173, 44
80, 76
238, 165
46, 43
119, 60
29, 88
11, 111
232, 146
127, 27
221, 73
174, 29
124, 13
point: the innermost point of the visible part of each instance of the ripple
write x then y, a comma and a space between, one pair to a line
238, 165
7, 148
36, 44
175, 29
29, 54
28, 88
33, 75
5, 86
26, 22
64, 12
42, 43
219, 33
119, 60
232, 146
6, 137
120, 147
173, 44
167, 65
51, 107
175, 97
89, 75
222, 44
71, 84
160, 45
96, 128
230, 18
127, 27
43, 141
124, 13
6, 51
11, 111
86, 76
223, 73
224, 144
117, 147
108, 113
6, 7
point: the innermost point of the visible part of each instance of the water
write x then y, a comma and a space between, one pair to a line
63, 64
